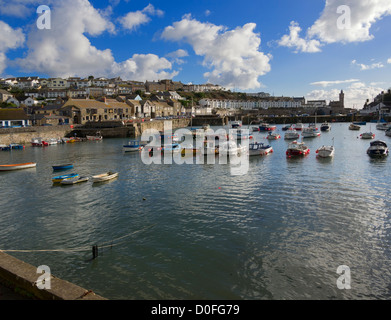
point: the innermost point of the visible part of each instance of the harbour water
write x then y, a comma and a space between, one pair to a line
198, 232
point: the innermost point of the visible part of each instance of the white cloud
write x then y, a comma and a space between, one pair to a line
332, 83
355, 95
134, 19
389, 60
66, 50
18, 8
232, 55
363, 67
363, 14
177, 55
293, 40
351, 24
9, 39
144, 67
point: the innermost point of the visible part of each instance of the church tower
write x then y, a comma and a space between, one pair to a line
342, 99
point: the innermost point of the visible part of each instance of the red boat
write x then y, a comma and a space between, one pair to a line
38, 142
297, 149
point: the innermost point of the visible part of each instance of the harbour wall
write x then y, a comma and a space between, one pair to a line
23, 279
117, 130
24, 135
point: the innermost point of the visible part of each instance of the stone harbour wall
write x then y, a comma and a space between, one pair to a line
25, 135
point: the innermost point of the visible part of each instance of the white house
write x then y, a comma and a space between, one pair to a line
14, 101
30, 102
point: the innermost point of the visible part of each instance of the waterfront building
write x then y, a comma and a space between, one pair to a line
15, 117
82, 111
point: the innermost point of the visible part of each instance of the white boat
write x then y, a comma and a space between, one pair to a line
75, 180
383, 126
298, 126
259, 149
19, 166
96, 137
52, 141
310, 132
367, 135
378, 149
388, 132
291, 134
231, 148
104, 177
326, 151
273, 136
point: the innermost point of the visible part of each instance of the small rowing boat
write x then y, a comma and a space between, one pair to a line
74, 180
104, 176
63, 167
65, 177
11, 167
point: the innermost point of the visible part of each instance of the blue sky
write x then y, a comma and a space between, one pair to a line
284, 47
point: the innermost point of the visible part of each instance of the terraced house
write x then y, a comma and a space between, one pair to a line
82, 111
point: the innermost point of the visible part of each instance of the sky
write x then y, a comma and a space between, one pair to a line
286, 48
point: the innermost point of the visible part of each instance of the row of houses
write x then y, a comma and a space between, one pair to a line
110, 86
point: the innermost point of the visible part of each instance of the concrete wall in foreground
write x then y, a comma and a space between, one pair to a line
23, 277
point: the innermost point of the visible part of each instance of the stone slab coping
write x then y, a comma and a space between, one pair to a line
23, 277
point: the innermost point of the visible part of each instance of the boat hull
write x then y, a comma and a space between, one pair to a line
104, 177
12, 167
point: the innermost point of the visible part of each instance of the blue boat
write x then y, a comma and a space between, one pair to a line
3, 147
63, 167
132, 146
15, 146
362, 123
65, 177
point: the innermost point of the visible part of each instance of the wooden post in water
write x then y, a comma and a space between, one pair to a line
94, 252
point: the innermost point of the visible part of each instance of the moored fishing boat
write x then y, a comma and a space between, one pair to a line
378, 148
325, 127
19, 166
273, 136
297, 149
259, 149
39, 142
325, 151
266, 127
4, 147
310, 132
291, 134
236, 124
367, 135
104, 177
96, 137
354, 127
16, 146
388, 132
64, 177
132, 146
298, 126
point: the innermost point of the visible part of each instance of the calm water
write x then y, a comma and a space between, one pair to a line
198, 232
